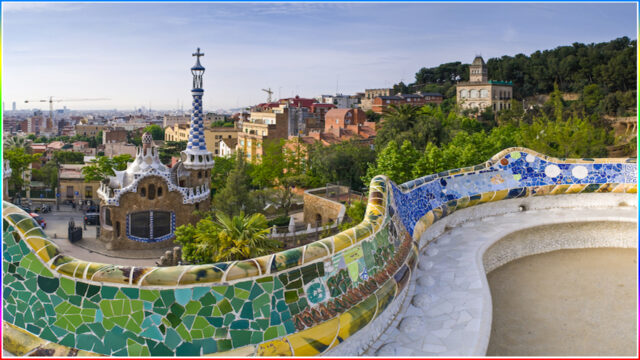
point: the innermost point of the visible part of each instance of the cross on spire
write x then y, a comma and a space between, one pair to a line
198, 54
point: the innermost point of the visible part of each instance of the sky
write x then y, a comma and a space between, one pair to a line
139, 54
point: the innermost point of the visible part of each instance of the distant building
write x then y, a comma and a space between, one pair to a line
366, 102
212, 137
13, 106
227, 147
380, 103
72, 184
177, 132
114, 135
119, 148
90, 130
480, 93
340, 101
171, 120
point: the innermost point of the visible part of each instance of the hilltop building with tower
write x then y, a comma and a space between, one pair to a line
142, 205
480, 93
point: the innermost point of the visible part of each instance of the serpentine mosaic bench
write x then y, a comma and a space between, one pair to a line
302, 301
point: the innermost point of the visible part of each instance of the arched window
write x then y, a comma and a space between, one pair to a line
152, 191
150, 226
199, 174
107, 216
117, 228
159, 191
143, 191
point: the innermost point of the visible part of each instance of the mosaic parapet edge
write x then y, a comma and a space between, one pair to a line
292, 303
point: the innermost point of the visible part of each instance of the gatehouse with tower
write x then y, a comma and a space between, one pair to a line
142, 205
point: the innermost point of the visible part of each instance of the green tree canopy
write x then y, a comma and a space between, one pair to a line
394, 161
156, 131
235, 197
19, 161
345, 163
102, 166
68, 157
226, 239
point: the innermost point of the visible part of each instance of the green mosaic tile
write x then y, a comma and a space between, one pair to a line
228, 319
149, 295
290, 296
237, 304
183, 332
188, 321
167, 297
224, 345
247, 311
108, 292
240, 337
131, 293
177, 309
221, 333
188, 349
239, 325
172, 339
271, 333
241, 294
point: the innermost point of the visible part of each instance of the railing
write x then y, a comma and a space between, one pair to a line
302, 301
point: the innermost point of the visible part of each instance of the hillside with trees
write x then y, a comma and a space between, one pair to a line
609, 69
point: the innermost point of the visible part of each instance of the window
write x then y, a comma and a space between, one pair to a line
107, 216
143, 191
150, 226
152, 191
199, 174
159, 191
88, 192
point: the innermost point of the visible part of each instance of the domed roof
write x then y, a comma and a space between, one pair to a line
147, 161
478, 61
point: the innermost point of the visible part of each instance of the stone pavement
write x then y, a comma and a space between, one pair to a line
448, 311
90, 248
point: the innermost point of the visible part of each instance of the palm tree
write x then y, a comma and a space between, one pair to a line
243, 237
15, 142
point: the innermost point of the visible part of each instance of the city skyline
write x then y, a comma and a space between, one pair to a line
143, 51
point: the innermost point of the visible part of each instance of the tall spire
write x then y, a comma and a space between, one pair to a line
196, 155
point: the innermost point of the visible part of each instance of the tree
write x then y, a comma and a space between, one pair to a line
15, 142
345, 163
226, 239
19, 161
48, 174
221, 169
156, 131
102, 167
68, 157
355, 213
235, 196
573, 138
171, 149
394, 161
282, 168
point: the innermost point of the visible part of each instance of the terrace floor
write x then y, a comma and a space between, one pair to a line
448, 311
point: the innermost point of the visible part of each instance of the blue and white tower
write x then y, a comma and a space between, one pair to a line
196, 156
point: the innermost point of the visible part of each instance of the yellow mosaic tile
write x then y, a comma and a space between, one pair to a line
315, 340
17, 341
242, 269
280, 347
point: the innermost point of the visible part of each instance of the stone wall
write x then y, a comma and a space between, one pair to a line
303, 301
317, 207
131, 202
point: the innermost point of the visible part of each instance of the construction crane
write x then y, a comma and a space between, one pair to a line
268, 91
51, 101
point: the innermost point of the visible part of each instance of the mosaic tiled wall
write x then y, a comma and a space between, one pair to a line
302, 301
